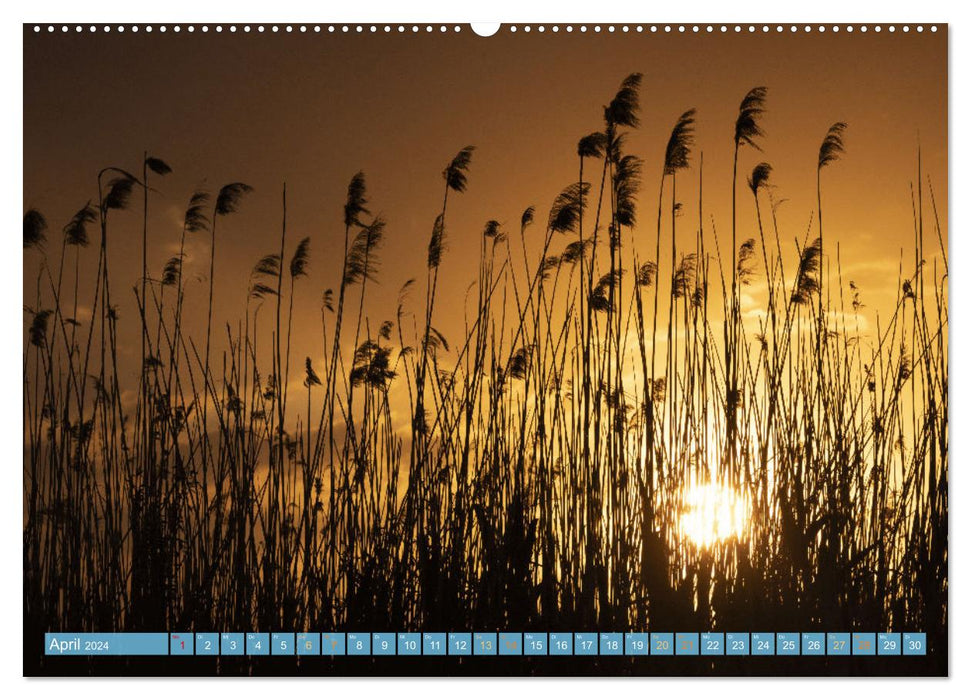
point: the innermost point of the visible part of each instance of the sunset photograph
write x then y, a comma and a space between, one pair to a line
573, 350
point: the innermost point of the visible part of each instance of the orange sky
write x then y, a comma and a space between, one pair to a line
314, 109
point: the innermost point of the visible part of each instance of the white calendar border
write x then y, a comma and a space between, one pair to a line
509, 11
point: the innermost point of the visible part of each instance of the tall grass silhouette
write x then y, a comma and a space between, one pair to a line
535, 473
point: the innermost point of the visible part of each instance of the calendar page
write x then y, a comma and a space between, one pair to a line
536, 350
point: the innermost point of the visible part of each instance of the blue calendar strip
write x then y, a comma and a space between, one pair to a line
374, 644
111, 644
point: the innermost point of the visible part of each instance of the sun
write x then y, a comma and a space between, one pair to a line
713, 513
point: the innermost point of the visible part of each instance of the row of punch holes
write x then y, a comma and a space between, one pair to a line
485, 30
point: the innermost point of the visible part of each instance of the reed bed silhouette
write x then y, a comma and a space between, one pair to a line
529, 475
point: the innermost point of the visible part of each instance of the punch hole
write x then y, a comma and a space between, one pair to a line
485, 28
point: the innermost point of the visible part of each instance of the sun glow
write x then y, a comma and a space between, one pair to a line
712, 513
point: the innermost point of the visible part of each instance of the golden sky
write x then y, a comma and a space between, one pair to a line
314, 109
